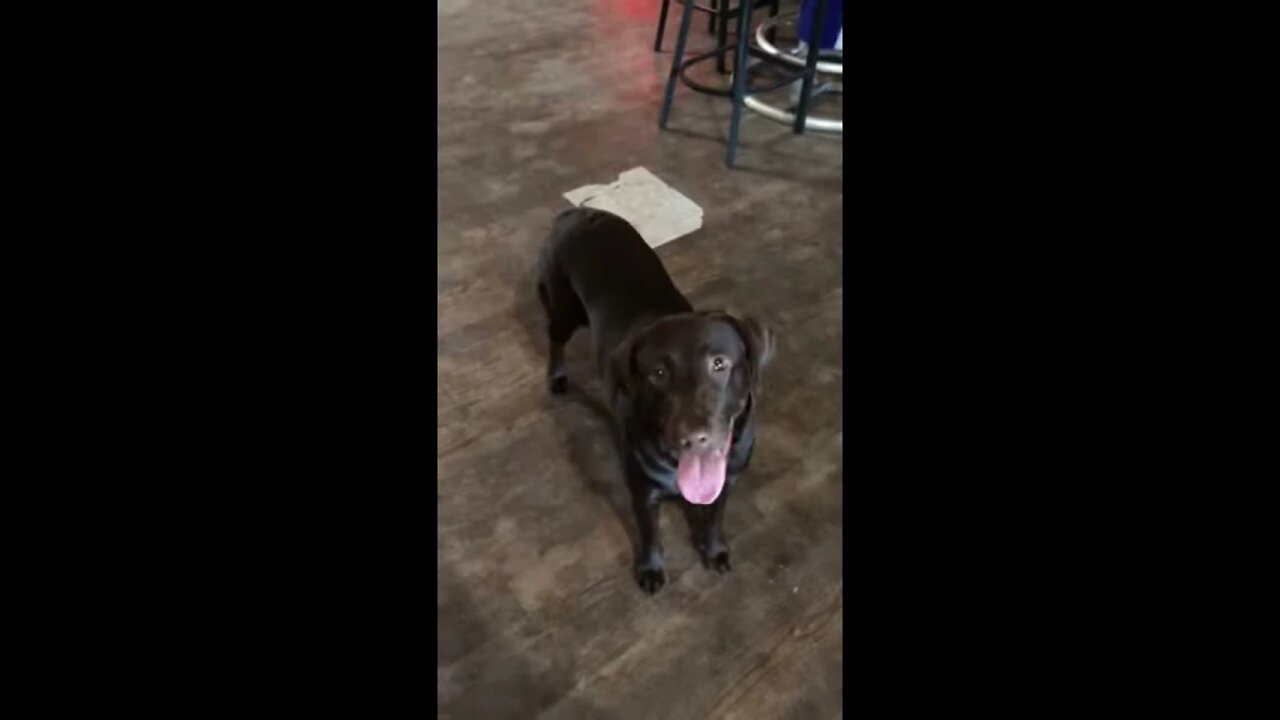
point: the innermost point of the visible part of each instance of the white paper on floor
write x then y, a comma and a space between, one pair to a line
657, 211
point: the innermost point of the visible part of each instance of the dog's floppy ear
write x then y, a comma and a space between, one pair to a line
761, 344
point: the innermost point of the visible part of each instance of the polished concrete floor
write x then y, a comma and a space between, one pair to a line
537, 611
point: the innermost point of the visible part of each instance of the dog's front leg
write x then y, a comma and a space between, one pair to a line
646, 501
715, 553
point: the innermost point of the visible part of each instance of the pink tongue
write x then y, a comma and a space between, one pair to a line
701, 476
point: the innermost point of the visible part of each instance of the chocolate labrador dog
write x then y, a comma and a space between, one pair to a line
684, 386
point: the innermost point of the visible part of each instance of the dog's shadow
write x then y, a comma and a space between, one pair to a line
592, 438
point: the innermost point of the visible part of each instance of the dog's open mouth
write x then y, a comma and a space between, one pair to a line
700, 475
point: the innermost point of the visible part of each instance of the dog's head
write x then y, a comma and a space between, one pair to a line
689, 377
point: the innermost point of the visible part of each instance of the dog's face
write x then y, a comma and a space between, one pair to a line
689, 377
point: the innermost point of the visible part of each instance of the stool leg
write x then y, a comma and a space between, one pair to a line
722, 37
662, 25
739, 79
686, 20
810, 67
711, 16
771, 33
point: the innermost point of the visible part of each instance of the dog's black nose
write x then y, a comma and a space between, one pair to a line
698, 440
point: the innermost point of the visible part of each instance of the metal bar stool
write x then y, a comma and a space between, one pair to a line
743, 48
719, 17
830, 62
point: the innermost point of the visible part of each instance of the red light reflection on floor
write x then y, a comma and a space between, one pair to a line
641, 9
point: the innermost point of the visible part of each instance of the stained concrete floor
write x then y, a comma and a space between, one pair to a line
537, 611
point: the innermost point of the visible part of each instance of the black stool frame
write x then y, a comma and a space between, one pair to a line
719, 10
743, 49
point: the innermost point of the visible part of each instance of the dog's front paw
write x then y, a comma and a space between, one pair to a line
716, 557
558, 384
651, 578
720, 562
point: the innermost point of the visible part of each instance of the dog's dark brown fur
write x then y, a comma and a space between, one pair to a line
676, 378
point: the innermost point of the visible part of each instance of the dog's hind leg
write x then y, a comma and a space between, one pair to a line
564, 315
557, 377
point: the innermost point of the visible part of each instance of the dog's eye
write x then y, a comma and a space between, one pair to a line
658, 374
719, 364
